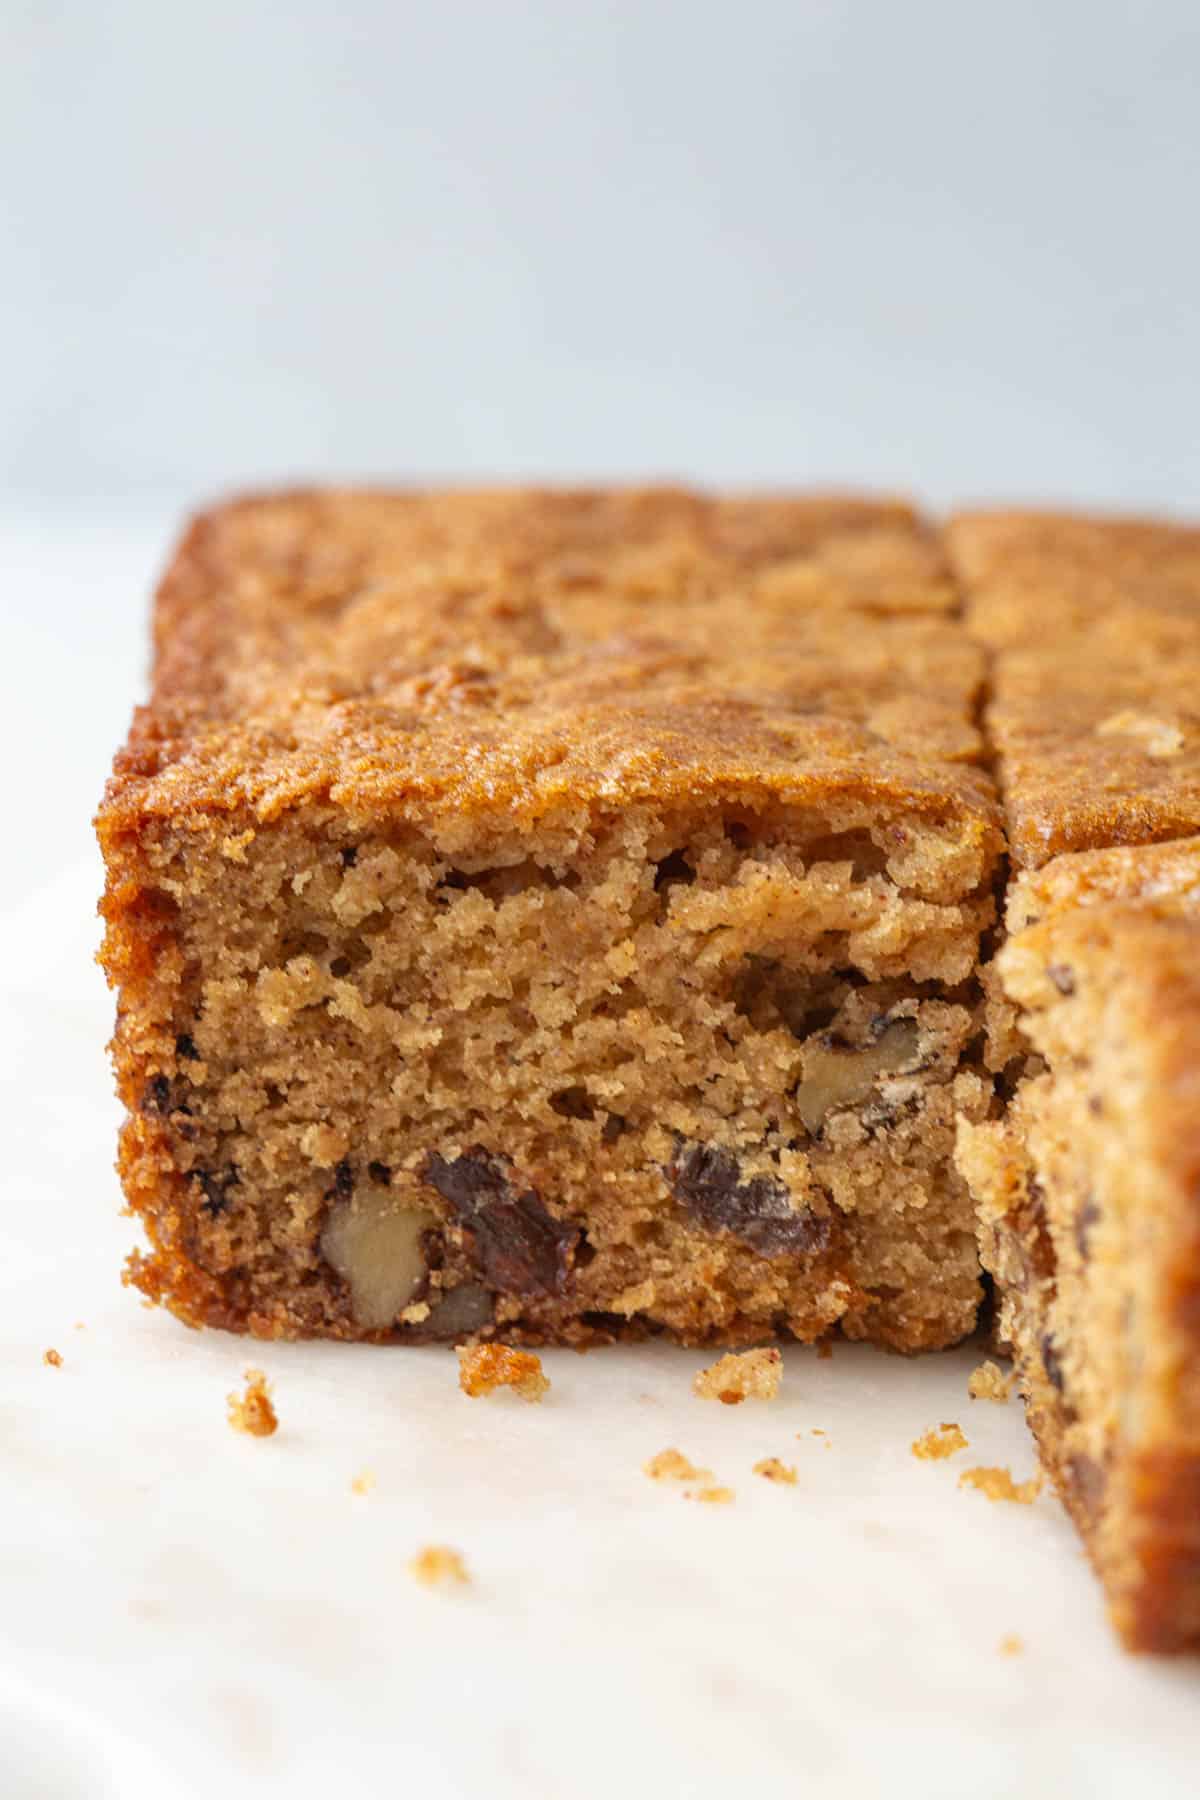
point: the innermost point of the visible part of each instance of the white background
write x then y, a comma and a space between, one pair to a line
945, 247
945, 243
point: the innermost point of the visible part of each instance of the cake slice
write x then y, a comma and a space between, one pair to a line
1089, 1197
553, 915
1093, 629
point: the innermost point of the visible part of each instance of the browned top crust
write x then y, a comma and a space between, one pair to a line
517, 653
1031, 576
1095, 715
1169, 872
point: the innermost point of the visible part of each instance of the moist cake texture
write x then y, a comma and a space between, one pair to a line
554, 916
561, 916
1088, 1183
1089, 1195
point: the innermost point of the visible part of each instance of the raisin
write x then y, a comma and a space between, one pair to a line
185, 1048
349, 856
343, 1180
759, 1212
380, 1174
156, 1096
216, 1190
1062, 977
519, 1247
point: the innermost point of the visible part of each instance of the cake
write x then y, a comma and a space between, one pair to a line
546, 916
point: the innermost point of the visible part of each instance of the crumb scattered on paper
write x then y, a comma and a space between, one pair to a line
673, 1465
998, 1484
712, 1496
362, 1484
1012, 1645
989, 1382
482, 1368
252, 1412
939, 1441
52, 1358
439, 1566
750, 1374
773, 1470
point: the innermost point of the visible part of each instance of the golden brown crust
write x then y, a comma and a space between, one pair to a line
313, 644
1094, 626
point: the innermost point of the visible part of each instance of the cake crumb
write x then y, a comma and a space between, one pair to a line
252, 1412
939, 1441
52, 1358
362, 1484
712, 1496
998, 1484
482, 1368
773, 1470
989, 1382
673, 1465
745, 1375
1012, 1645
439, 1566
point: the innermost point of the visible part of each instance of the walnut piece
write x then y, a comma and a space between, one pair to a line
439, 1566
750, 1374
939, 1442
252, 1412
837, 1076
375, 1246
482, 1368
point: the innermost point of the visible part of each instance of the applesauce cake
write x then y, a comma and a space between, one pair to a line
1089, 1207
554, 916
1088, 1182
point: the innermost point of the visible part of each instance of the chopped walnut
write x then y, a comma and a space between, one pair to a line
482, 1368
773, 1470
988, 1382
673, 1465
712, 1496
940, 1441
998, 1484
52, 1358
752, 1374
843, 1075
439, 1566
376, 1245
252, 1412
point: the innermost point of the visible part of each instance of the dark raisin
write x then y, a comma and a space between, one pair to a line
343, 1180
614, 1127
1062, 977
156, 1096
215, 1189
573, 1103
185, 1048
339, 968
1052, 1362
759, 1212
519, 1247
349, 856
380, 1174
